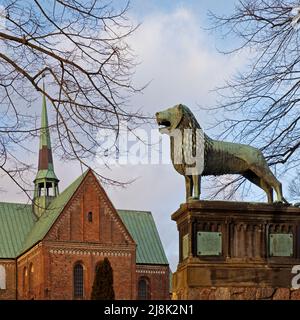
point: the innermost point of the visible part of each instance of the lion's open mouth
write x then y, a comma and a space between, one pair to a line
164, 123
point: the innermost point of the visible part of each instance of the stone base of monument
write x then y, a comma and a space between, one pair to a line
237, 250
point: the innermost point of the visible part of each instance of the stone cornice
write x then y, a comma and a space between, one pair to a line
150, 269
82, 252
74, 245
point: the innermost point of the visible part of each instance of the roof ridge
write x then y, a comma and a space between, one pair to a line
144, 211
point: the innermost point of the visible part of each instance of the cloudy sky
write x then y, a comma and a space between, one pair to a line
180, 60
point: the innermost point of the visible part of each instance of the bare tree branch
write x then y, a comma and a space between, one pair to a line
261, 103
80, 49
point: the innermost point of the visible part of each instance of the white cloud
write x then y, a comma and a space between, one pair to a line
179, 59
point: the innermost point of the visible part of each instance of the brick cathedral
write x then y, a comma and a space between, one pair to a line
50, 249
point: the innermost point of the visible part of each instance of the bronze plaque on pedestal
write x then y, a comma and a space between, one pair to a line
281, 244
209, 243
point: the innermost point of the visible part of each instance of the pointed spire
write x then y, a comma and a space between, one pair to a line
46, 182
45, 134
45, 167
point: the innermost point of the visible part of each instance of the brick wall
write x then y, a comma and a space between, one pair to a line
60, 262
10, 279
158, 277
73, 224
31, 274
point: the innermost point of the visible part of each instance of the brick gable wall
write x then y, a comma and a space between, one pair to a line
74, 238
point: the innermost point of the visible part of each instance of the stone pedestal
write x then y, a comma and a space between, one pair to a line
236, 250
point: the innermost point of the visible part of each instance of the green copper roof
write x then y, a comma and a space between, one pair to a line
16, 221
46, 174
47, 219
45, 134
142, 227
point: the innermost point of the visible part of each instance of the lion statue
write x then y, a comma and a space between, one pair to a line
194, 154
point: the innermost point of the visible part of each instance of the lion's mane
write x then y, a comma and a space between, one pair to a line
188, 121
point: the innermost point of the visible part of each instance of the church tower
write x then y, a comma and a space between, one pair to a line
46, 182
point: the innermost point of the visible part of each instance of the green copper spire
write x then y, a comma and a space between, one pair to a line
46, 182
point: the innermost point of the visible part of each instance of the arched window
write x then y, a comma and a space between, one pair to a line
78, 281
144, 289
30, 280
24, 281
2, 278
90, 216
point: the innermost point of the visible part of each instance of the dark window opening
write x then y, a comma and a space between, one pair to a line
30, 278
90, 216
78, 281
143, 289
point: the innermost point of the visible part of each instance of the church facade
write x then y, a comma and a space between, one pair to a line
50, 249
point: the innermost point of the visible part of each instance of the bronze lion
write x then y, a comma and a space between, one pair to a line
214, 157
